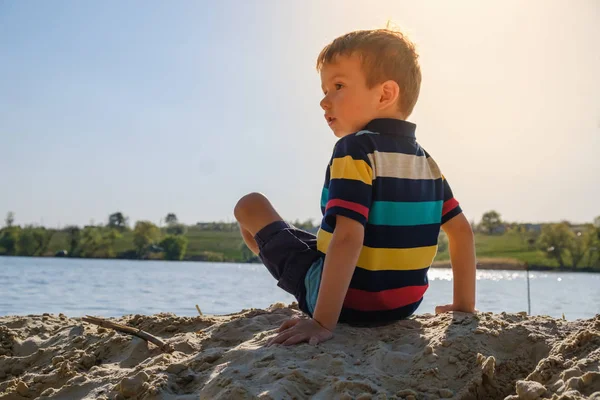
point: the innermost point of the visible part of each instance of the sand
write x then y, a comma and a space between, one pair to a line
456, 355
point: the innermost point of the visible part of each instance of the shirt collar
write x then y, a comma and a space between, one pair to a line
392, 126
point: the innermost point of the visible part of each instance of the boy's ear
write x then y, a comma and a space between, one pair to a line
390, 91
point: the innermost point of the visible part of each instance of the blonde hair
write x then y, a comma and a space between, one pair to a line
387, 54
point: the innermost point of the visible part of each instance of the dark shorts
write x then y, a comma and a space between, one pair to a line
288, 253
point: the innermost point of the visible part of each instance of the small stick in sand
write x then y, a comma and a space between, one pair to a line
198, 308
129, 330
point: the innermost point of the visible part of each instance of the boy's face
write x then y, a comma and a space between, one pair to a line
348, 103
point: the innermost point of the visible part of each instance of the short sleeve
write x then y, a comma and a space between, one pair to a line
451, 208
350, 182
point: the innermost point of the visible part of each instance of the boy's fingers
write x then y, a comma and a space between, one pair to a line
282, 337
288, 324
324, 337
297, 338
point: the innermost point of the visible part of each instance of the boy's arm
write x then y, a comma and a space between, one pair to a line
462, 258
349, 191
340, 262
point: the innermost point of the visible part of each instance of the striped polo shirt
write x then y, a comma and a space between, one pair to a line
382, 178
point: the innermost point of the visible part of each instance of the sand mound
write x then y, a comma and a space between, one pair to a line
460, 356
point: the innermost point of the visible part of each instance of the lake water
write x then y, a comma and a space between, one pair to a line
109, 288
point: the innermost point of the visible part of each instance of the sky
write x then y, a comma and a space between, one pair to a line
155, 107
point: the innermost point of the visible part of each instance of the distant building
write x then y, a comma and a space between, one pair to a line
498, 230
532, 227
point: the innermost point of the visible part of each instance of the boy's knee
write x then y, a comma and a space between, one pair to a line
248, 205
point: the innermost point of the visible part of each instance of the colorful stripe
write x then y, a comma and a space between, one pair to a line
324, 197
397, 237
384, 300
449, 206
349, 205
378, 259
403, 166
374, 281
349, 168
409, 190
451, 214
401, 237
405, 213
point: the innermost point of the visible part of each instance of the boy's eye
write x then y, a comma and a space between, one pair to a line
338, 86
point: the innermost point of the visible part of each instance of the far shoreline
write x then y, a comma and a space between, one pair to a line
492, 264
501, 264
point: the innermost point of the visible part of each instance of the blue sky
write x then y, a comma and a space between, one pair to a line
156, 107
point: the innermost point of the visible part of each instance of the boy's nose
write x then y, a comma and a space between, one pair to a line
325, 104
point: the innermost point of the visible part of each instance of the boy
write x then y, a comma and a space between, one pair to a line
383, 202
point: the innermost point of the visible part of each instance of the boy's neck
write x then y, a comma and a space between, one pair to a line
389, 114
396, 117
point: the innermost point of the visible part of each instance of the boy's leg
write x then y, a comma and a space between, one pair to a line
253, 212
249, 240
287, 252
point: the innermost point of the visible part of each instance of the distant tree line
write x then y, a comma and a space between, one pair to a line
569, 245
97, 240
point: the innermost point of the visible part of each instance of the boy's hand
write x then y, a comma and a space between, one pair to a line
452, 307
296, 330
461, 245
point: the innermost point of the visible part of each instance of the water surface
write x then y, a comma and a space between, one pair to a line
76, 287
